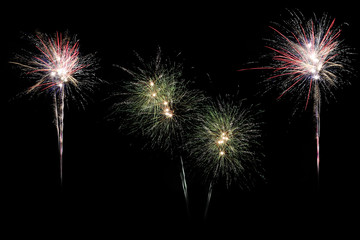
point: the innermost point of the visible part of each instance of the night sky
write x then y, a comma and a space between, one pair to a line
113, 184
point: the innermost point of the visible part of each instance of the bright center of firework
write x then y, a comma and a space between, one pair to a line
167, 111
168, 114
314, 58
312, 63
221, 142
223, 138
61, 73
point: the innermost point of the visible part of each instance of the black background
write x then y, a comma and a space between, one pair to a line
112, 185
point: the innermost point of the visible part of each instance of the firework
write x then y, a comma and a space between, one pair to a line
59, 70
157, 103
225, 145
308, 61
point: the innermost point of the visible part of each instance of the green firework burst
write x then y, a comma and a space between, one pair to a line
157, 102
225, 144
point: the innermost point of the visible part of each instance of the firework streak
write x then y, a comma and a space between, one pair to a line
59, 70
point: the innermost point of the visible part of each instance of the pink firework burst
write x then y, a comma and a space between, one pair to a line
308, 59
310, 56
57, 63
60, 61
58, 69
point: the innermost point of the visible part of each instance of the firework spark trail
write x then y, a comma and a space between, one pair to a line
308, 60
60, 71
208, 199
317, 117
184, 185
318, 145
59, 117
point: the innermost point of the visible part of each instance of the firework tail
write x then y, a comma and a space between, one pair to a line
210, 192
208, 199
184, 185
317, 117
318, 146
182, 175
183, 180
59, 117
